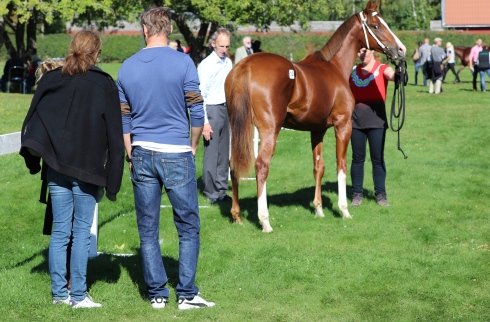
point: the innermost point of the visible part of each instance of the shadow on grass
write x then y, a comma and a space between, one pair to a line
301, 198
108, 267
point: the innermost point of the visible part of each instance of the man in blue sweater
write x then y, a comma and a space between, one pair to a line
159, 94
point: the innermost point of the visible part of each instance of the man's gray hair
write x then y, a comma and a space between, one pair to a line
220, 31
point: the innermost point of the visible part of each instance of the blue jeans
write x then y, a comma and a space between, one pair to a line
482, 79
417, 67
73, 204
376, 138
177, 173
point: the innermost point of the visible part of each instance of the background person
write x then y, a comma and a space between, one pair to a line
244, 50
483, 66
473, 61
216, 161
450, 62
179, 46
256, 46
417, 62
368, 83
424, 52
14, 60
161, 101
74, 125
34, 63
438, 59
173, 45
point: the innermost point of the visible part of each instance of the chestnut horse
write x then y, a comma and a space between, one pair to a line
463, 54
311, 95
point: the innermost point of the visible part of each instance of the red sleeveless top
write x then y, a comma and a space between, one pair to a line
370, 94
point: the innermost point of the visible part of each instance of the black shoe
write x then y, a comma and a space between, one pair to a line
213, 200
225, 198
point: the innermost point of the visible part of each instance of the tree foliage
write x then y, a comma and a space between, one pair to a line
21, 19
399, 14
196, 20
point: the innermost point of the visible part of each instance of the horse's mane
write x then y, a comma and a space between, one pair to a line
335, 42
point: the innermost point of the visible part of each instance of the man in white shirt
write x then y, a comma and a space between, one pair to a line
212, 73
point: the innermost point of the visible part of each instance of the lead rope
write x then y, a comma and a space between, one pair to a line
398, 110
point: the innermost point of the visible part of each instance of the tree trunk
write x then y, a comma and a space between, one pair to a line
31, 34
198, 42
8, 44
19, 39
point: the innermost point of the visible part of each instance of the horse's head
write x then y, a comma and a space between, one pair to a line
376, 34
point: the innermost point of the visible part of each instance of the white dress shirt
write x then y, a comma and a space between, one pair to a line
212, 73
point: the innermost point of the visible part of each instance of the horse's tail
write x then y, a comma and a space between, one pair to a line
240, 115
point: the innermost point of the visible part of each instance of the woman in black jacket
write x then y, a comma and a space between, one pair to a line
74, 125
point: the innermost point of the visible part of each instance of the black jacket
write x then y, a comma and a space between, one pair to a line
74, 124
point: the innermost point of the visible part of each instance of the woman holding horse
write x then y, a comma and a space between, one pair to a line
368, 82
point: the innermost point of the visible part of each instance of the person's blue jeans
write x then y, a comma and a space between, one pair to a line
376, 139
73, 204
417, 68
482, 79
177, 173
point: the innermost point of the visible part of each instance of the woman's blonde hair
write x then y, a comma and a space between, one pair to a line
84, 48
47, 66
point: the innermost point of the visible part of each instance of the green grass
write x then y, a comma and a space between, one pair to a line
426, 258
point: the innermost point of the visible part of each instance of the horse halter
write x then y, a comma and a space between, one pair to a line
387, 51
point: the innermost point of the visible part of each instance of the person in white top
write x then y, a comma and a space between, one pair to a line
212, 73
450, 63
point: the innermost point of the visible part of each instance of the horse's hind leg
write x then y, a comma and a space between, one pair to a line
460, 69
235, 206
266, 151
318, 170
343, 131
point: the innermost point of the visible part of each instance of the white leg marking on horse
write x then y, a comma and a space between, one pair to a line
318, 158
263, 211
341, 179
319, 211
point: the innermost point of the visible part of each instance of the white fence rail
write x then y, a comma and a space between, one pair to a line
9, 143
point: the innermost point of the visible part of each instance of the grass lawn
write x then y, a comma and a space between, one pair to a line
425, 258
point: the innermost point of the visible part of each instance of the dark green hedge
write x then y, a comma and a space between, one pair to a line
119, 47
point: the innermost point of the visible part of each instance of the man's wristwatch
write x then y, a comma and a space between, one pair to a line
128, 159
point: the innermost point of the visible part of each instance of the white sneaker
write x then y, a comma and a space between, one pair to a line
195, 303
87, 302
158, 302
65, 301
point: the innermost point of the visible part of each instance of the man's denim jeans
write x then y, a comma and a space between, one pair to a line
73, 204
482, 79
176, 172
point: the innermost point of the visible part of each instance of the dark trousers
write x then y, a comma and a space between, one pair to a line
216, 159
476, 71
376, 139
450, 66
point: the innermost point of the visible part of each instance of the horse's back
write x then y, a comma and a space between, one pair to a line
267, 78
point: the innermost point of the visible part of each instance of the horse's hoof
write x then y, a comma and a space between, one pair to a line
266, 227
319, 212
346, 216
238, 222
